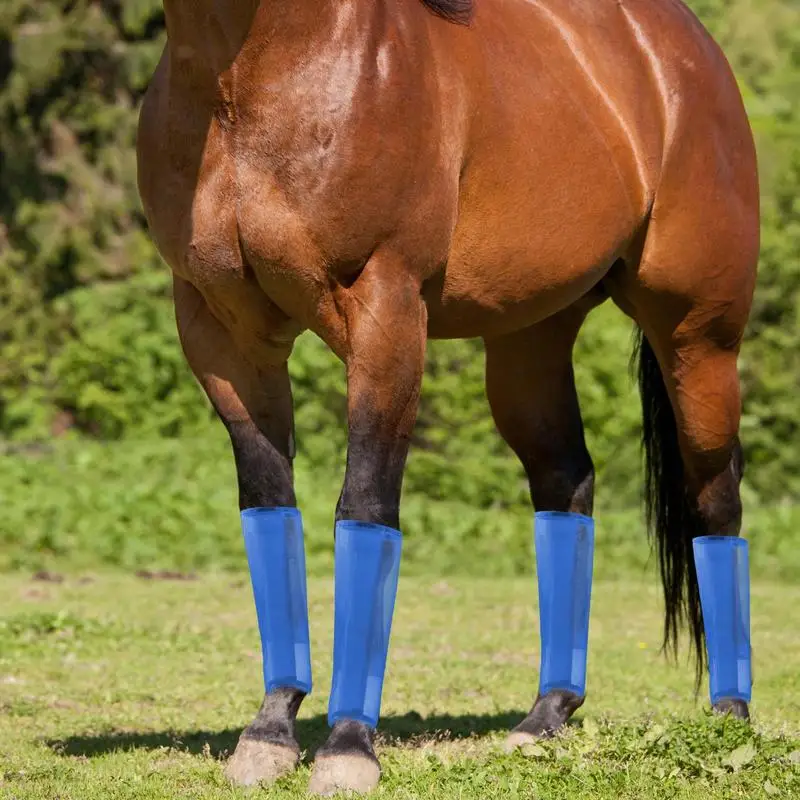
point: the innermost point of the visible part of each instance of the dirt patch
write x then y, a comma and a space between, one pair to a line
165, 575
44, 576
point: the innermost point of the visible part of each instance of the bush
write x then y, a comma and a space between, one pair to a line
171, 504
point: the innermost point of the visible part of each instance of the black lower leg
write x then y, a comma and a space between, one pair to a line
264, 472
719, 513
275, 722
371, 493
348, 737
549, 714
569, 486
531, 388
373, 480
267, 747
564, 483
386, 330
254, 403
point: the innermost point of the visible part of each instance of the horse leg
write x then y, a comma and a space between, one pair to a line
691, 396
386, 335
531, 389
255, 405
690, 290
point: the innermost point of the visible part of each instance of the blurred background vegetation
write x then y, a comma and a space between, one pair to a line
110, 454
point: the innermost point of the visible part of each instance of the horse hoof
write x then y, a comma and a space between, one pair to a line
736, 708
344, 773
257, 762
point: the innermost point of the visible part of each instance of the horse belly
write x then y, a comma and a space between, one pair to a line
515, 260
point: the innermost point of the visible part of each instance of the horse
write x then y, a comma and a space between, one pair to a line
381, 172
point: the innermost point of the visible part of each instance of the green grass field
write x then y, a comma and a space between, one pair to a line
122, 687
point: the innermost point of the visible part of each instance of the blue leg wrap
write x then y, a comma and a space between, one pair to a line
724, 579
564, 554
367, 571
273, 538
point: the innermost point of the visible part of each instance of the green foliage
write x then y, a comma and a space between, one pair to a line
87, 338
71, 77
771, 363
171, 504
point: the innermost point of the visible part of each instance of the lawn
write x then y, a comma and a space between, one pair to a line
117, 686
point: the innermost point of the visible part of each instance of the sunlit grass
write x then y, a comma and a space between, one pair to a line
130, 688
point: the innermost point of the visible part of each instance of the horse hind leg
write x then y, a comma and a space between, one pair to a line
531, 390
694, 467
691, 296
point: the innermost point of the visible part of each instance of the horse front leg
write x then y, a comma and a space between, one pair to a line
253, 400
386, 335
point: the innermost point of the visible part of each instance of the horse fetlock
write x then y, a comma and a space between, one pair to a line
549, 714
267, 748
734, 707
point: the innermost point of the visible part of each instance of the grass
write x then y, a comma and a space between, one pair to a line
114, 686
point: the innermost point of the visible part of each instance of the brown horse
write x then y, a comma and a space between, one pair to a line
383, 171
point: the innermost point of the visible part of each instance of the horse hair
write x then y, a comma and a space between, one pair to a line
672, 516
452, 10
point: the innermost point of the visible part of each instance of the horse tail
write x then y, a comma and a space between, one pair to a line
672, 518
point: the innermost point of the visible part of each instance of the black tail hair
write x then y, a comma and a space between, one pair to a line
672, 516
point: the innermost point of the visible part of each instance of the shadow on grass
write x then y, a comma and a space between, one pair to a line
311, 733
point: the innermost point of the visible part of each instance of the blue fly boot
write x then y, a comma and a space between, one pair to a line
367, 572
723, 576
273, 538
267, 748
564, 556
